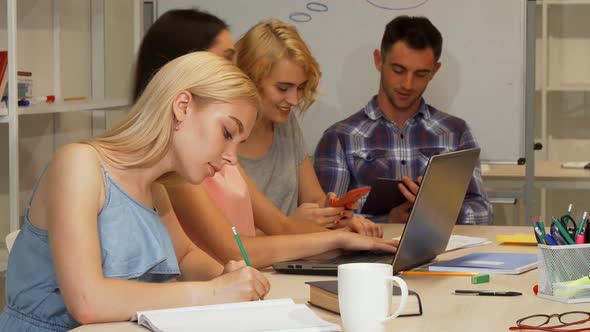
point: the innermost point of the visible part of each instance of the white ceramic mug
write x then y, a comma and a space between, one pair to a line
365, 294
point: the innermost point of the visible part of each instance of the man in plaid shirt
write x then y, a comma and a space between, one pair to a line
394, 135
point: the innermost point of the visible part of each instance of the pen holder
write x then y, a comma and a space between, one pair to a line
559, 267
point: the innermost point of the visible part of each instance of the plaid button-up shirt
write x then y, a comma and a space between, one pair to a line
355, 151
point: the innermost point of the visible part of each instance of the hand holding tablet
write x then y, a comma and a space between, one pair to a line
385, 196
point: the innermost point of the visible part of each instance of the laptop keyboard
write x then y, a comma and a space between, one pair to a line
366, 257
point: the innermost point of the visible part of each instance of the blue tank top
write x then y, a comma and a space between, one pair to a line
135, 245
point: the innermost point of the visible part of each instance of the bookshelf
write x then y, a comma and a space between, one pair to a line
58, 74
564, 90
563, 93
563, 76
562, 114
69, 106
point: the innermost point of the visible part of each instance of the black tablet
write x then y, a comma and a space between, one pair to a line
384, 196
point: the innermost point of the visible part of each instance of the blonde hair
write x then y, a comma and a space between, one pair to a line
267, 43
145, 135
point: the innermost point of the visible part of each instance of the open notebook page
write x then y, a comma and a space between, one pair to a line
268, 315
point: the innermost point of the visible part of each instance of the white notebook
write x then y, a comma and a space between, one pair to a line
267, 315
462, 242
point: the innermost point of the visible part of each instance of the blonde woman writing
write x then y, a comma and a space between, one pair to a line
100, 240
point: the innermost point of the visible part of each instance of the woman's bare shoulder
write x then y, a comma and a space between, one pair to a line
77, 162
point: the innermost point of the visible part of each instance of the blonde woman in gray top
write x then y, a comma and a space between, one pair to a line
279, 62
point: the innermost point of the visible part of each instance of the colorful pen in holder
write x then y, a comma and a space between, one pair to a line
538, 233
580, 231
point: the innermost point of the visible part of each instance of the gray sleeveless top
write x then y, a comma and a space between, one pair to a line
135, 245
276, 173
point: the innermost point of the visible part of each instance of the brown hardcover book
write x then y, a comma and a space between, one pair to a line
324, 294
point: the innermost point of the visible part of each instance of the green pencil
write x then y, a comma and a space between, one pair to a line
242, 249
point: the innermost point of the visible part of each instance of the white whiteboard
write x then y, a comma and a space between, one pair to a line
482, 78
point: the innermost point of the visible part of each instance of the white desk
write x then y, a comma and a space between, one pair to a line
442, 311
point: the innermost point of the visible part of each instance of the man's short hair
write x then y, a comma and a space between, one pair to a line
416, 31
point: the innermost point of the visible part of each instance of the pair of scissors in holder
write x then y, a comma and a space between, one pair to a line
562, 228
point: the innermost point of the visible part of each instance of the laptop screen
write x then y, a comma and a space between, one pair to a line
436, 208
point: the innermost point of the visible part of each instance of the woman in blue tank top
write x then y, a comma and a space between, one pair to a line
100, 239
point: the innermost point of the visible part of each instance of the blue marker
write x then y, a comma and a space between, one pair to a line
550, 240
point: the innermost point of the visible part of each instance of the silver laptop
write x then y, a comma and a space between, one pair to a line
430, 223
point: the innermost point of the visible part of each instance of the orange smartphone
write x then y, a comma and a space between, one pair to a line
351, 196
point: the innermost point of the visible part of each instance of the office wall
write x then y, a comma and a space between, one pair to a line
342, 35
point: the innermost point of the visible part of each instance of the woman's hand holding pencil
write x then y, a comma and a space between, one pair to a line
239, 283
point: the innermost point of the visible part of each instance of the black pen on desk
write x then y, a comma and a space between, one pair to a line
484, 293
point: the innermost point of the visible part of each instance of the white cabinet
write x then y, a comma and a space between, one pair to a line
71, 52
